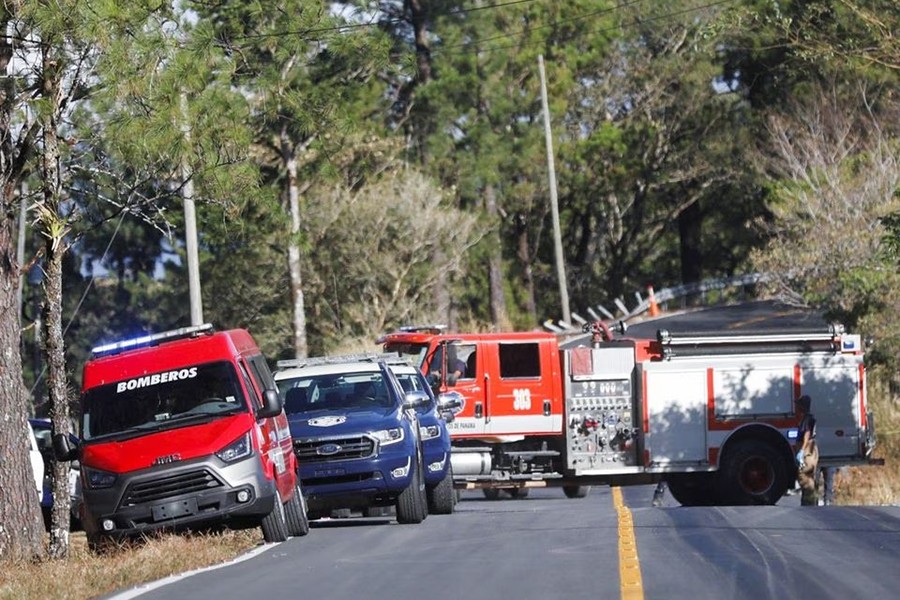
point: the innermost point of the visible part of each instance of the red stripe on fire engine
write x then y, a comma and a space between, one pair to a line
711, 421
863, 417
713, 456
646, 411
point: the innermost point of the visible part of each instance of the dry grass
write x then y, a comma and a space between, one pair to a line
85, 575
876, 485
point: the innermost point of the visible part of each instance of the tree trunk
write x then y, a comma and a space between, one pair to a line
524, 253
289, 157
499, 316
52, 226
689, 230
57, 385
21, 527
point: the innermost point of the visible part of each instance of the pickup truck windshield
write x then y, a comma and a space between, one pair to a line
164, 400
335, 392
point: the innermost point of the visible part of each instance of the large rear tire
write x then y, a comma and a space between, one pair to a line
442, 497
295, 513
692, 489
274, 525
752, 473
412, 506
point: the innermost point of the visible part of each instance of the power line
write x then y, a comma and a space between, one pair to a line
367, 24
474, 49
556, 23
37, 380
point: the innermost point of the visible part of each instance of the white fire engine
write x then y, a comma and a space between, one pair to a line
711, 413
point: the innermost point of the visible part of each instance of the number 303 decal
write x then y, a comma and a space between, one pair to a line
522, 399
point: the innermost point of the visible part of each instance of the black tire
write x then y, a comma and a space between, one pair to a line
442, 497
274, 525
752, 473
295, 514
576, 491
692, 489
491, 493
99, 545
519, 492
411, 505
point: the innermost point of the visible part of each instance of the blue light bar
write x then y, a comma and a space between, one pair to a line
391, 358
153, 339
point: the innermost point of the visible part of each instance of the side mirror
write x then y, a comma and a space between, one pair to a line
271, 406
416, 399
450, 403
63, 448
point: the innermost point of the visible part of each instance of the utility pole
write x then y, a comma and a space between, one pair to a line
190, 224
554, 205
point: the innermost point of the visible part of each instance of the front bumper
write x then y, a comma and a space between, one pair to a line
380, 475
181, 496
437, 464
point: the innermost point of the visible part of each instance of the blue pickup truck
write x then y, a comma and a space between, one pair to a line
356, 435
433, 418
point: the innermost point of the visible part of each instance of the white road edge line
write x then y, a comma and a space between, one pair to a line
143, 588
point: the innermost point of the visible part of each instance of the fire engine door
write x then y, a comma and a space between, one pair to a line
519, 390
835, 389
675, 413
466, 359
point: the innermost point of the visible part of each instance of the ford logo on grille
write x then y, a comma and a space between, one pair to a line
164, 460
328, 449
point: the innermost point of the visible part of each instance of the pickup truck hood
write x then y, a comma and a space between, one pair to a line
331, 423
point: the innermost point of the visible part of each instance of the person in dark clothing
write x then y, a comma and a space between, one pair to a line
828, 481
807, 452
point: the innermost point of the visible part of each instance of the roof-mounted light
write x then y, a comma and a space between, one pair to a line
435, 329
391, 358
152, 340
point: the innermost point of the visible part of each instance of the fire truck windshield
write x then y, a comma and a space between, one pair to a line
163, 400
414, 353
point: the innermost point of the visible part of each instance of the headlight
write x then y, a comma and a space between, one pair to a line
389, 436
239, 448
429, 432
97, 479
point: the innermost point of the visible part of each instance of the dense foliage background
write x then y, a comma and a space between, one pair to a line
366, 164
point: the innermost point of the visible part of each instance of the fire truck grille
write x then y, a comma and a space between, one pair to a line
332, 450
161, 488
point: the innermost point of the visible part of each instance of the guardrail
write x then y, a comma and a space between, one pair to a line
655, 301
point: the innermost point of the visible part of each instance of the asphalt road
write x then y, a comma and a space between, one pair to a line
546, 547
759, 316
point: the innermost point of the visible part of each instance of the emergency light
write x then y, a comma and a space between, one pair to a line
150, 340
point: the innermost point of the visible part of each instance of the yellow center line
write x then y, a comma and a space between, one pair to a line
629, 567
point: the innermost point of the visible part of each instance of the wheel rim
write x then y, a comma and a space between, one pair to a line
757, 475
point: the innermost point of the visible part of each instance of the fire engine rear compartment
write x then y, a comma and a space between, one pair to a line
683, 408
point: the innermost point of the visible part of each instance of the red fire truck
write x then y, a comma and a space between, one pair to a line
183, 429
710, 413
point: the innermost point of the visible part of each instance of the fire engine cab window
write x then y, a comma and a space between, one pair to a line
460, 359
519, 360
164, 400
